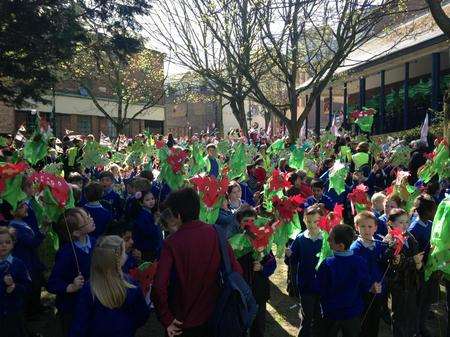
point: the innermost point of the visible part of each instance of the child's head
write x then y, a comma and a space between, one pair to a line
312, 216
76, 179
74, 224
127, 237
390, 202
245, 213
28, 187
115, 169
317, 188
93, 191
7, 238
211, 150
138, 184
147, 199
425, 206
106, 179
8, 213
106, 279
398, 218
234, 191
341, 237
378, 201
366, 224
184, 204
168, 221
296, 178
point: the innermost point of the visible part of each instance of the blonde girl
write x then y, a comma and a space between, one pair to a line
109, 305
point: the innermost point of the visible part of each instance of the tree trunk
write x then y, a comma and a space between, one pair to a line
219, 114
446, 132
238, 110
294, 130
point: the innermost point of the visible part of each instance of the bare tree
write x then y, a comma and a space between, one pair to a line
214, 47
313, 36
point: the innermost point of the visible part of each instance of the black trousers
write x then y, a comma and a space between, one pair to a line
13, 325
198, 331
371, 317
310, 315
65, 321
428, 294
404, 307
33, 298
348, 327
259, 324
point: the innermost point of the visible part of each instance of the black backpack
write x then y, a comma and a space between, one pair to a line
236, 307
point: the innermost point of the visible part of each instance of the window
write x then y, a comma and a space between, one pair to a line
111, 129
84, 125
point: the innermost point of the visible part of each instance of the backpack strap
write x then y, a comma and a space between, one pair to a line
223, 250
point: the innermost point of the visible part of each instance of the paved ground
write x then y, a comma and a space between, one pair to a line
282, 319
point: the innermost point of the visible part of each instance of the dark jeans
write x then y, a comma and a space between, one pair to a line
310, 315
429, 293
198, 331
404, 308
371, 317
349, 327
259, 324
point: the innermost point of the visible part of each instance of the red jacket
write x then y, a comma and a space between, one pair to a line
189, 266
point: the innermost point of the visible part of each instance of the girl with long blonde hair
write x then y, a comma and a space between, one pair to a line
110, 305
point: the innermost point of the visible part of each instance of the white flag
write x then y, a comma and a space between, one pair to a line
269, 129
424, 130
334, 127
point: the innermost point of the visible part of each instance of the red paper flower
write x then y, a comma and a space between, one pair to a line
430, 155
176, 159
359, 195
144, 276
211, 189
8, 171
286, 208
399, 237
58, 186
260, 174
390, 190
298, 200
159, 144
259, 236
278, 181
330, 220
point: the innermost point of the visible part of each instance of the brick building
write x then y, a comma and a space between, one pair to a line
74, 110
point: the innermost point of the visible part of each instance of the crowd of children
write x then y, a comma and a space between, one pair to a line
119, 222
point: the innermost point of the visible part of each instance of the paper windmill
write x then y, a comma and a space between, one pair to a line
210, 188
399, 239
259, 236
176, 159
8, 171
330, 220
144, 274
278, 181
358, 198
285, 207
58, 186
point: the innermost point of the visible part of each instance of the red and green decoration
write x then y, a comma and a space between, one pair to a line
326, 224
56, 194
198, 160
238, 161
359, 199
275, 186
337, 176
36, 148
288, 224
94, 155
11, 178
145, 275
211, 191
297, 157
172, 166
363, 118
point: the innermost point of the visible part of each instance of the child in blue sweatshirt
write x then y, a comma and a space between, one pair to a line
15, 281
420, 228
109, 305
373, 252
303, 253
318, 197
71, 271
147, 235
111, 200
133, 256
342, 281
102, 217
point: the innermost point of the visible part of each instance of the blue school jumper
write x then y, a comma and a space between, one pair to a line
92, 319
422, 233
304, 254
147, 235
382, 228
373, 254
27, 243
13, 303
329, 205
65, 270
112, 201
102, 217
130, 263
342, 281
